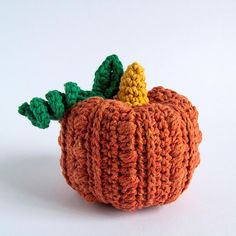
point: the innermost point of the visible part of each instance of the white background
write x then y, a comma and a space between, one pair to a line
188, 46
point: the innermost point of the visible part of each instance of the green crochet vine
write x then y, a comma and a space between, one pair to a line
106, 84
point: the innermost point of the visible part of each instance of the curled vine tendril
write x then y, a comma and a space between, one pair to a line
106, 84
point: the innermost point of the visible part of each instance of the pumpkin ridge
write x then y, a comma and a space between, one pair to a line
140, 161
109, 148
158, 151
80, 172
69, 142
95, 146
115, 168
150, 157
143, 112
87, 107
62, 143
165, 149
128, 158
177, 151
89, 148
188, 127
104, 140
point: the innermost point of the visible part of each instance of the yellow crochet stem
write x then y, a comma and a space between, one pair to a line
132, 89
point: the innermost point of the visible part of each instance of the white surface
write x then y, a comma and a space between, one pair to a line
189, 46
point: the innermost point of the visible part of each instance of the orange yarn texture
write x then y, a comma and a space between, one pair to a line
131, 157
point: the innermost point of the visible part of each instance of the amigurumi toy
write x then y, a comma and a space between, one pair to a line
120, 144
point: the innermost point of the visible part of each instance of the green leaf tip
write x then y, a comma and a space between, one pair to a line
106, 84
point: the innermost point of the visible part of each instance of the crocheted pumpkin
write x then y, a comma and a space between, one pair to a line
136, 149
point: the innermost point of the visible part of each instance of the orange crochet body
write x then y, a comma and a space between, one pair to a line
130, 157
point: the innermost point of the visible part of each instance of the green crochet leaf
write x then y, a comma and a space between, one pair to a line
107, 77
106, 84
